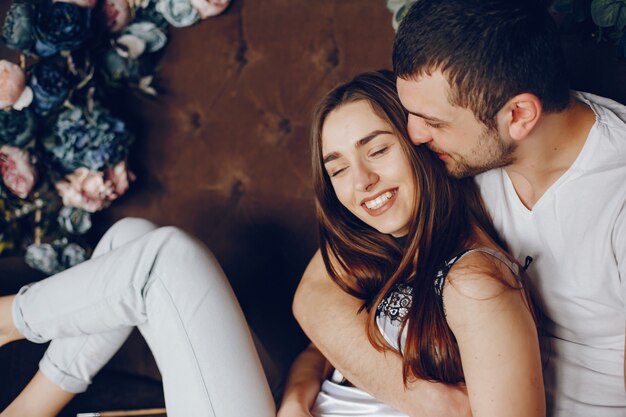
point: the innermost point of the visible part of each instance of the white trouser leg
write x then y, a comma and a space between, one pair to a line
72, 362
170, 286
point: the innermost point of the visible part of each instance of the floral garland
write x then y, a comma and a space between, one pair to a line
63, 154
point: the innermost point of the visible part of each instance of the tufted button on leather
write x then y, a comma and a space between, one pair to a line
237, 189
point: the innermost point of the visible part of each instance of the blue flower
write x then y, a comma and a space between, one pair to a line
50, 87
17, 128
61, 27
117, 68
149, 13
179, 13
147, 34
18, 30
133, 55
74, 220
51, 258
43, 258
72, 255
95, 141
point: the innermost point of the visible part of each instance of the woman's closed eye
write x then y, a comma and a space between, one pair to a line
379, 151
336, 171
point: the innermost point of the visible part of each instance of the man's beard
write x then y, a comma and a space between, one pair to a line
490, 152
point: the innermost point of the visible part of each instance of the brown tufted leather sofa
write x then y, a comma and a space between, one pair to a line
223, 153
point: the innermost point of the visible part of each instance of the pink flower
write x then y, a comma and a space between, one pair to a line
119, 178
13, 86
117, 14
94, 190
81, 3
208, 8
18, 173
84, 189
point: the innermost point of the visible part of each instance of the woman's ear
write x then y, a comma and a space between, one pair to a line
521, 113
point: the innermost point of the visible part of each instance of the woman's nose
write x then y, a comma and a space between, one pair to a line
364, 177
418, 131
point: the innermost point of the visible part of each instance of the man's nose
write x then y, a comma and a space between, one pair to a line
364, 177
418, 131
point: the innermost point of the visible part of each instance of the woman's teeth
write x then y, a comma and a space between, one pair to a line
378, 201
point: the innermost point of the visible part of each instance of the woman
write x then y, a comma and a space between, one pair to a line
418, 249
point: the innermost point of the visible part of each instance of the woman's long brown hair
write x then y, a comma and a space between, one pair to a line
368, 264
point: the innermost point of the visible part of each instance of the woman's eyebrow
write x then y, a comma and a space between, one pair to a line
331, 157
361, 142
370, 137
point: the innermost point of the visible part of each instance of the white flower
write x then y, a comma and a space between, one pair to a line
208, 8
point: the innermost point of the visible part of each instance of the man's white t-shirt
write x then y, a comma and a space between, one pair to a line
576, 235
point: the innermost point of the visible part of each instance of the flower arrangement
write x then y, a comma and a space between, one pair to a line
63, 154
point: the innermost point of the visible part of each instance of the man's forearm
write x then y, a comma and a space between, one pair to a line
329, 318
305, 377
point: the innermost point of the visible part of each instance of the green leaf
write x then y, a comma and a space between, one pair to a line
621, 19
607, 13
563, 6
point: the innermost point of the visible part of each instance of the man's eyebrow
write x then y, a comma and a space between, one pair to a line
361, 142
425, 116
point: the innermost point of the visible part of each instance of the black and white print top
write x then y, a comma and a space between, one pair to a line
392, 311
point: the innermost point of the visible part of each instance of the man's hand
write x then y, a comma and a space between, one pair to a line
329, 318
293, 410
305, 378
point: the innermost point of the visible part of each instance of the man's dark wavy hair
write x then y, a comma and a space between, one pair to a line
488, 50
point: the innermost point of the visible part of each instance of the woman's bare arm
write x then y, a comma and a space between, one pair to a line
498, 341
329, 317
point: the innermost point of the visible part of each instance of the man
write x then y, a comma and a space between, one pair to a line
484, 83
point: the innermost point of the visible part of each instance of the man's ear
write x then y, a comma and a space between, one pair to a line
521, 113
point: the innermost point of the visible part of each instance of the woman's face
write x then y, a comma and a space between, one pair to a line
371, 175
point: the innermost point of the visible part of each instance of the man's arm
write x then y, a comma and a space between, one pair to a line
305, 378
329, 318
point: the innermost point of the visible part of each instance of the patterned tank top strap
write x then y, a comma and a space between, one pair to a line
513, 266
440, 279
442, 273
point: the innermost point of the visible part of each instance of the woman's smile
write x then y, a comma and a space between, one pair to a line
380, 202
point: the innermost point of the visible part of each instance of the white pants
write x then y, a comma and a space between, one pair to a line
168, 285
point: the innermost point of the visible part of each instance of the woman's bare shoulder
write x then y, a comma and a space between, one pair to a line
479, 276
479, 291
